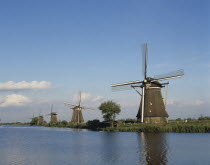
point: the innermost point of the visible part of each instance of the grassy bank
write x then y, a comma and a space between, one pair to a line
195, 127
200, 125
192, 126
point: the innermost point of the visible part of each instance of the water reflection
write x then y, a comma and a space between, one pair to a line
57, 146
154, 148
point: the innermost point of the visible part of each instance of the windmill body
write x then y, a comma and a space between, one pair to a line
53, 116
152, 108
77, 116
40, 120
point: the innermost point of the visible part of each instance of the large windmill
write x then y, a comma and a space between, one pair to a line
53, 116
152, 107
77, 116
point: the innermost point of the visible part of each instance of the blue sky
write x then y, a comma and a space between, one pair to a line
89, 45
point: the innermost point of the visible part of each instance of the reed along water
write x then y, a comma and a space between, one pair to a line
24, 145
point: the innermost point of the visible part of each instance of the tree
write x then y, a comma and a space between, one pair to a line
109, 110
64, 123
34, 121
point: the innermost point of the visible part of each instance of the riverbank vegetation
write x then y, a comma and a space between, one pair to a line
193, 127
200, 125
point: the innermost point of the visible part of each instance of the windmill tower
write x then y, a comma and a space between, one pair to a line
152, 108
53, 116
77, 116
40, 119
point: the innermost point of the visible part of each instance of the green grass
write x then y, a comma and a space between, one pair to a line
201, 125
195, 127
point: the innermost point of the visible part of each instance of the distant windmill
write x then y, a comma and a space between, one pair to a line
77, 116
40, 119
53, 116
152, 108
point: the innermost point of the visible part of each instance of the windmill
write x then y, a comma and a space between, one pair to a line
40, 119
152, 108
53, 116
77, 116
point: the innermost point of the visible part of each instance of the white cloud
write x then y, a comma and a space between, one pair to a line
199, 102
97, 98
24, 85
170, 101
129, 104
85, 96
14, 100
182, 103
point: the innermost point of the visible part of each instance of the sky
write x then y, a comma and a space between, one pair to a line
50, 50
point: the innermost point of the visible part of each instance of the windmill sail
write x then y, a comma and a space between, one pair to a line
87, 108
171, 75
70, 104
80, 97
125, 85
144, 49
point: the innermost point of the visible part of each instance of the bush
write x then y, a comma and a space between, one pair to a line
64, 123
34, 121
204, 118
94, 124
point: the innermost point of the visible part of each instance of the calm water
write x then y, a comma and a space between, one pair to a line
21, 145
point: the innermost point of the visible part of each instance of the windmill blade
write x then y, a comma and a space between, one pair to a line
124, 86
121, 88
80, 97
171, 75
51, 107
70, 104
87, 108
127, 83
144, 49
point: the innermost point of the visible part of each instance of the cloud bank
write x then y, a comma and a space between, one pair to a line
97, 98
24, 85
14, 100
